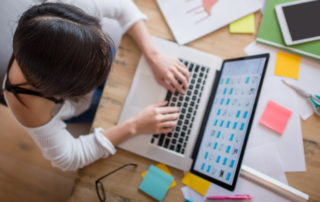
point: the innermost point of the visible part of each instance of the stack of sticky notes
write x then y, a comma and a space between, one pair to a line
245, 25
287, 65
275, 117
165, 169
196, 183
156, 183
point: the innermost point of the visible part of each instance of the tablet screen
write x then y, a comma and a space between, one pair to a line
302, 20
228, 119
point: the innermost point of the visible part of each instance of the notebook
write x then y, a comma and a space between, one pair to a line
274, 37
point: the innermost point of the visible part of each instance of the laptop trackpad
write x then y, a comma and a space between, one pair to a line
147, 91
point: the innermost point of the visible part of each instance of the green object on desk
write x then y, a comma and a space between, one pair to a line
156, 183
270, 33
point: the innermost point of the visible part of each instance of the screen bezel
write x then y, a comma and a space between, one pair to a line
206, 116
284, 26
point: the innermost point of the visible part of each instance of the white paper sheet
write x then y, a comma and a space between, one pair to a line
289, 144
192, 19
308, 77
265, 159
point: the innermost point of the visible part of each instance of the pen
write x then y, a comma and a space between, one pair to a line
235, 197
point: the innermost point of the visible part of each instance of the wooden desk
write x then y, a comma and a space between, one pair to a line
123, 185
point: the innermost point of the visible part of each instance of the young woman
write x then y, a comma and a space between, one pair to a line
60, 55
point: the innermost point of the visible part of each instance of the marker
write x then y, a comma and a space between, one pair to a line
234, 197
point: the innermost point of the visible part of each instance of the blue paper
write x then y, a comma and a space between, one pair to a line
156, 183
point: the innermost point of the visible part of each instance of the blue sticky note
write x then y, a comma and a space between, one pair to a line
156, 183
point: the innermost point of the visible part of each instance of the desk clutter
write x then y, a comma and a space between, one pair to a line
275, 145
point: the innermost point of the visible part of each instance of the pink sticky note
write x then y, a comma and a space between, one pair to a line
275, 117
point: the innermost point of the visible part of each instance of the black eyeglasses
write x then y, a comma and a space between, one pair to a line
99, 186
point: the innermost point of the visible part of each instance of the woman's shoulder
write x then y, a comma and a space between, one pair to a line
31, 111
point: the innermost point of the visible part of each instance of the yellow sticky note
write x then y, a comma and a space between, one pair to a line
196, 183
165, 169
244, 25
287, 65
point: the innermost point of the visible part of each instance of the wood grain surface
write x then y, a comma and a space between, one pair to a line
123, 186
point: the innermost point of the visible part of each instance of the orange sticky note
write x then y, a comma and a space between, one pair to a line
287, 65
165, 169
196, 183
275, 117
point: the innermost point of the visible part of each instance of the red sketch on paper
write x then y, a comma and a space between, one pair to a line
205, 7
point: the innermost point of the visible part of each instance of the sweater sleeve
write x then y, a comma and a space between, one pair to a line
125, 12
69, 153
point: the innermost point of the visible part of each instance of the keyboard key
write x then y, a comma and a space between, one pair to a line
169, 135
181, 140
178, 128
197, 68
171, 147
174, 141
182, 134
167, 141
203, 69
191, 67
183, 110
152, 140
186, 121
181, 116
176, 135
174, 99
161, 139
191, 103
190, 109
187, 99
179, 122
178, 148
185, 104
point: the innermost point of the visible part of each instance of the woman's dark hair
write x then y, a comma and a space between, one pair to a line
61, 50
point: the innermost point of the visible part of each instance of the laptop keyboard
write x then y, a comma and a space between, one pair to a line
188, 103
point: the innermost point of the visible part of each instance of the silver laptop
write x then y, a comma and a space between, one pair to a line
197, 105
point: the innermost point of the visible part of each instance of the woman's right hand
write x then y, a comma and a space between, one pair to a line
156, 119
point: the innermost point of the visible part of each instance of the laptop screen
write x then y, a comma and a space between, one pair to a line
228, 119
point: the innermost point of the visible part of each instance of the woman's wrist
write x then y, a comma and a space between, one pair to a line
132, 126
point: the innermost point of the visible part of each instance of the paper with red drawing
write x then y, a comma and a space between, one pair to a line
192, 19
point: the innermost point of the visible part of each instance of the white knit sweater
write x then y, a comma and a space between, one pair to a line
55, 141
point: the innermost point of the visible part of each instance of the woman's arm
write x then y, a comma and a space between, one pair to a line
167, 70
154, 119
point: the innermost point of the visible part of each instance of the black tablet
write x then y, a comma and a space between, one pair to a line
226, 125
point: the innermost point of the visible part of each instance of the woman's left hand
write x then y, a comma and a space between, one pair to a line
168, 71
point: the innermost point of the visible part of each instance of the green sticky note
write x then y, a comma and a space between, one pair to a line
156, 183
245, 25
